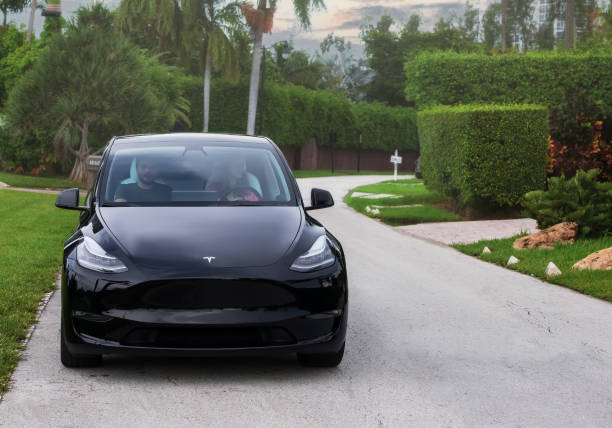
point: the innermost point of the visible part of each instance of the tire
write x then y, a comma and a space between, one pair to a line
75, 360
331, 359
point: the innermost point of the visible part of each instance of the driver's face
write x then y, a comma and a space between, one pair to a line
147, 171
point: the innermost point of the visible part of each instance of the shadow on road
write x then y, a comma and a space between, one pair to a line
181, 370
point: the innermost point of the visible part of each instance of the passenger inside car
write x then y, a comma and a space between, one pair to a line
234, 182
145, 189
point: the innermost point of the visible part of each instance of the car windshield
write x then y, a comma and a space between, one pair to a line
168, 174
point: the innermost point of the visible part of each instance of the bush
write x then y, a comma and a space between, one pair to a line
580, 199
577, 140
484, 155
294, 114
544, 78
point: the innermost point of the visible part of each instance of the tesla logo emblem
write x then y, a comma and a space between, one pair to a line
210, 259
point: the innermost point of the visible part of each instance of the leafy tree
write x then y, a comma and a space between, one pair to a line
12, 6
260, 19
470, 23
351, 74
522, 22
413, 24
517, 26
491, 27
386, 58
209, 26
296, 67
91, 81
387, 52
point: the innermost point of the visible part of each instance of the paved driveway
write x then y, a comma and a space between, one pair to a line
435, 338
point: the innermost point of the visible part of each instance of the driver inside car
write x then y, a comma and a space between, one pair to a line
145, 189
235, 183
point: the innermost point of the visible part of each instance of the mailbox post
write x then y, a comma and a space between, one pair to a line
395, 160
93, 165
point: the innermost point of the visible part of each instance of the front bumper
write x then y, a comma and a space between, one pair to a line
202, 316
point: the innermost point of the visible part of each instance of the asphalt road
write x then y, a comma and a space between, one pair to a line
435, 338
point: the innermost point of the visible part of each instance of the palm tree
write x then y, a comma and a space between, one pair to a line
209, 26
260, 18
155, 23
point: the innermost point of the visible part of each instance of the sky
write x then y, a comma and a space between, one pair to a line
342, 17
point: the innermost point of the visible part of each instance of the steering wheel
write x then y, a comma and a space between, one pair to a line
241, 193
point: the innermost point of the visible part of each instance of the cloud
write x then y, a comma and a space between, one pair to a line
352, 18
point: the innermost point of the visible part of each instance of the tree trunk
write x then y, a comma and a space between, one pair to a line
504, 30
207, 71
79, 171
254, 88
570, 24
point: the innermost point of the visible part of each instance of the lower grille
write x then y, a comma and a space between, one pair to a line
198, 294
208, 337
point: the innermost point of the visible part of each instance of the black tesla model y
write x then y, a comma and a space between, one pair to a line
200, 244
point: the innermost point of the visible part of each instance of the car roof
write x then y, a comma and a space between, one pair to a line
191, 137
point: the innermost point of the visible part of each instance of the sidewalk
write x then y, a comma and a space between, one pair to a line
466, 232
28, 189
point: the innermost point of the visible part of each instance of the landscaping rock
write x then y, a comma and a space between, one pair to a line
547, 238
601, 260
512, 261
552, 270
486, 250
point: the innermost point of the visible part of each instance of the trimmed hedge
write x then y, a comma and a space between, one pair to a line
294, 114
487, 155
390, 126
540, 77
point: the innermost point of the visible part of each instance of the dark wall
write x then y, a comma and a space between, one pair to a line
311, 156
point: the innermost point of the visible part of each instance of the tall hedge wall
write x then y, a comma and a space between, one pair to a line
293, 114
484, 154
541, 77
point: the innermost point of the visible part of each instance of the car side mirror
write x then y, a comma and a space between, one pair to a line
69, 199
320, 198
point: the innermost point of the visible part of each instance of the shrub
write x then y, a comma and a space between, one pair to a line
580, 199
484, 155
294, 114
577, 140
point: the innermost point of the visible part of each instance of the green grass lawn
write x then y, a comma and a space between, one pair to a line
534, 262
32, 234
19, 180
393, 210
304, 173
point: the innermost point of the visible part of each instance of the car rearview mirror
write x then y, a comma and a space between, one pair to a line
320, 198
69, 199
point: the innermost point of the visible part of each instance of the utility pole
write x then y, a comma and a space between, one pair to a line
262, 92
31, 20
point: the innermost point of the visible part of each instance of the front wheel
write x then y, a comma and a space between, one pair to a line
77, 360
330, 359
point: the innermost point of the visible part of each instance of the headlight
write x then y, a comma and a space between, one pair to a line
92, 256
317, 257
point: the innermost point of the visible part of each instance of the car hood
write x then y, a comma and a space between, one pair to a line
183, 237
